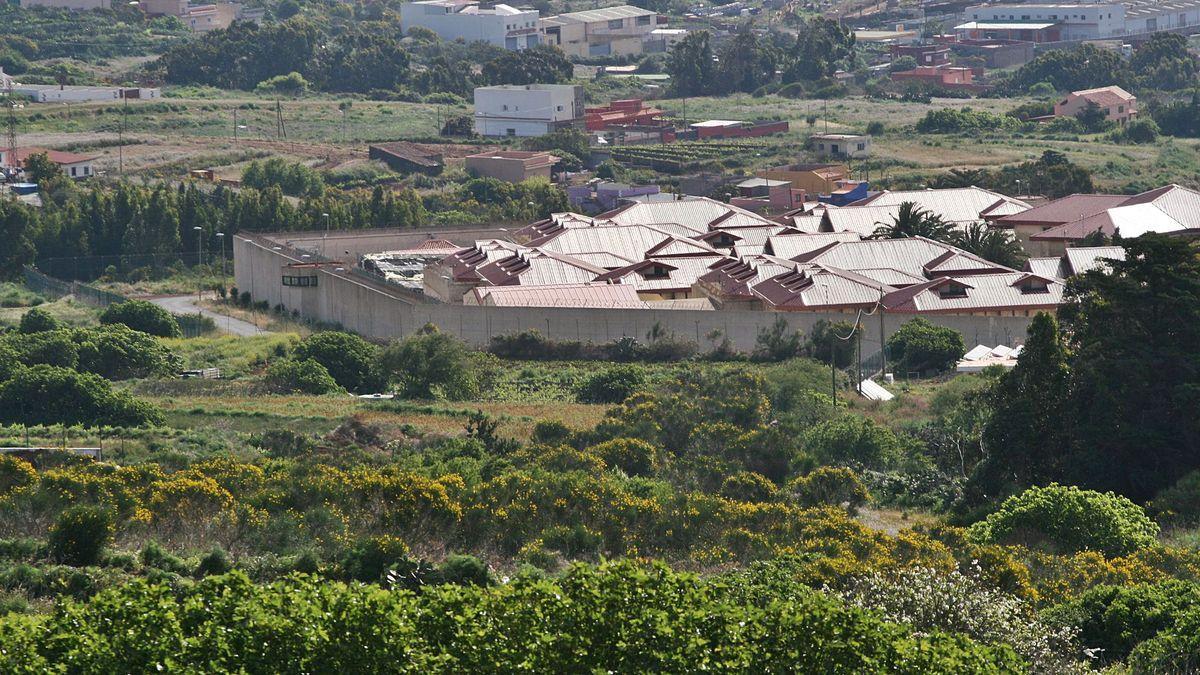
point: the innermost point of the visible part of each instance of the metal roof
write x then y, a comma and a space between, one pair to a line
793, 245
595, 295
1064, 210
986, 292
1087, 258
910, 256
998, 25
606, 14
954, 205
1046, 267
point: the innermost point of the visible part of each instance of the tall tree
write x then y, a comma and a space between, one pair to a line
821, 46
746, 63
1025, 437
690, 65
1135, 376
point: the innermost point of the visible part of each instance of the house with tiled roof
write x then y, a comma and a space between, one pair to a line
1050, 229
1118, 105
72, 164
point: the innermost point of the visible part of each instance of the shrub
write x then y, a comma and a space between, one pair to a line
748, 486
829, 485
370, 558
117, 352
429, 364
551, 432
1179, 504
37, 321
853, 440
146, 317
49, 395
51, 348
215, 561
1069, 519
612, 385
1117, 619
80, 534
286, 376
1173, 651
951, 121
632, 455
15, 473
1140, 131
350, 360
154, 556
292, 84
464, 570
928, 599
921, 346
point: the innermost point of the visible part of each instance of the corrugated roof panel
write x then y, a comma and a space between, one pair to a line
792, 245
1046, 267
567, 295
954, 205
986, 292
1087, 258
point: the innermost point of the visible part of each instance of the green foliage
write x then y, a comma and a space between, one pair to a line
1069, 519
543, 64
37, 321
350, 360
913, 221
81, 534
633, 456
921, 346
964, 120
154, 556
829, 485
1116, 619
1132, 423
854, 441
464, 570
995, 245
825, 340
619, 616
1139, 131
291, 84
747, 486
822, 46
305, 376
1179, 118
52, 395
293, 178
143, 316
1179, 504
431, 364
778, 342
39, 169
690, 64
120, 353
612, 385
214, 562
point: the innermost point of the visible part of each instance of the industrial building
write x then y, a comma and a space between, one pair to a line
497, 24
1064, 22
611, 31
527, 109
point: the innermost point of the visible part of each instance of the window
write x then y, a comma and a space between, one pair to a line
559, 108
862, 146
1034, 286
656, 272
616, 23
1120, 109
952, 291
510, 132
643, 21
87, 170
73, 170
305, 281
504, 107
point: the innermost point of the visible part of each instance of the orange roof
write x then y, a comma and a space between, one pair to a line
1105, 96
56, 156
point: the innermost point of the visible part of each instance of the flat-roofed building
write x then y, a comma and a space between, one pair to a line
497, 24
527, 109
612, 31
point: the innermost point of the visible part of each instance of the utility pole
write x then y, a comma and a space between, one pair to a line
121, 135
280, 130
235, 123
882, 340
199, 261
12, 128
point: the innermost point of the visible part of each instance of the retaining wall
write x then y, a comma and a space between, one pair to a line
375, 310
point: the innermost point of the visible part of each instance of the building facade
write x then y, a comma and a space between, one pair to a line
497, 24
613, 31
849, 146
527, 110
73, 5
1118, 105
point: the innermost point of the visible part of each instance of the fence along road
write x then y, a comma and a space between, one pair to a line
185, 305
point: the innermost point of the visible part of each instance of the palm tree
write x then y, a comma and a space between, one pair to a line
913, 221
998, 246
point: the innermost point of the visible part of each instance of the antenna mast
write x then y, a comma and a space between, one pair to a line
12, 126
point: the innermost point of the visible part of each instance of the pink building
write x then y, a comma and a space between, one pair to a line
1119, 105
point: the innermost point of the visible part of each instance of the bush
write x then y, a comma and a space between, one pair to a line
50, 395
952, 121
1140, 131
748, 486
154, 556
286, 376
920, 346
81, 534
633, 456
37, 321
927, 599
215, 561
429, 364
829, 485
352, 362
1180, 503
1069, 519
51, 348
855, 441
370, 558
612, 385
117, 352
292, 84
464, 570
144, 316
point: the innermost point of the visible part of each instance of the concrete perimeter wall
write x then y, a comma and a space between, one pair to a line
375, 310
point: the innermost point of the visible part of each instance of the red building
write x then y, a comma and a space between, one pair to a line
924, 55
622, 113
947, 77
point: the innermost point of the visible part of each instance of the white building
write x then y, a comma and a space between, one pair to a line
851, 146
73, 165
611, 31
500, 25
1077, 21
527, 110
53, 93
73, 5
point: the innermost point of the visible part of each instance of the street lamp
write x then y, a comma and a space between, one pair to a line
199, 261
221, 238
325, 236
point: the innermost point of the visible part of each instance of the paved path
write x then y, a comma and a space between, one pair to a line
186, 304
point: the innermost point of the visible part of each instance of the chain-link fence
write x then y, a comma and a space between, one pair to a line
192, 325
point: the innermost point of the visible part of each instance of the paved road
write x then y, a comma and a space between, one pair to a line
186, 304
